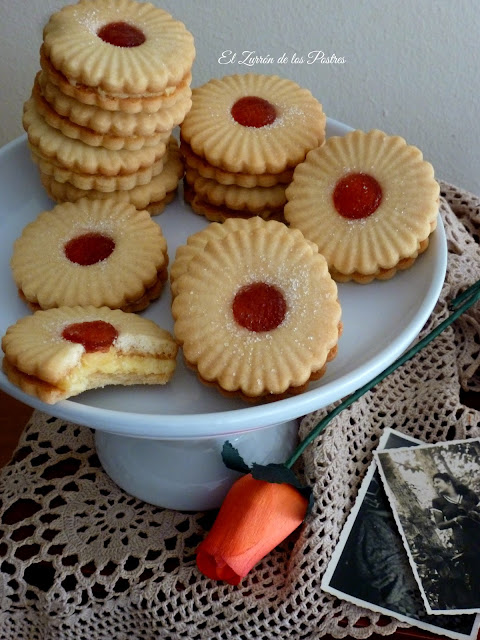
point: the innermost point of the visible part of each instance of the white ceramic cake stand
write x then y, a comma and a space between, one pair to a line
163, 444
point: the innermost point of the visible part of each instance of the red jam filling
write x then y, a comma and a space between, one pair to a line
251, 111
96, 335
121, 34
89, 248
259, 307
357, 195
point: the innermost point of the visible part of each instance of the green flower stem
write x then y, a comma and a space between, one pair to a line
462, 297
460, 304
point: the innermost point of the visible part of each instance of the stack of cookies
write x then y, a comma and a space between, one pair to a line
114, 82
241, 141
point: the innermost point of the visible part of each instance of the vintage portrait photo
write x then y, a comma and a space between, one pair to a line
370, 566
434, 493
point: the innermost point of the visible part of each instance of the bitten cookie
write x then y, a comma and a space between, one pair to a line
92, 252
59, 353
368, 200
256, 313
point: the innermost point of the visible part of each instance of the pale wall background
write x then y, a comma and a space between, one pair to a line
412, 67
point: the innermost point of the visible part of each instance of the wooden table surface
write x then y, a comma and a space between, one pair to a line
13, 417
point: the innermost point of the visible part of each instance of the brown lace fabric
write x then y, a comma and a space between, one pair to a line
80, 559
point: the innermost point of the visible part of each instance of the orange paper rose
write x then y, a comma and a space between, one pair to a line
254, 518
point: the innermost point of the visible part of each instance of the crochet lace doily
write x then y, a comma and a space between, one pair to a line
81, 559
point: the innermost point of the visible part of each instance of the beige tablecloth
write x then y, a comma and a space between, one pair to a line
81, 559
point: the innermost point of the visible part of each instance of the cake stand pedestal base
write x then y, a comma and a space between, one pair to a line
188, 475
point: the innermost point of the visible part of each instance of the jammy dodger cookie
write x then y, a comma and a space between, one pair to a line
256, 312
92, 252
368, 200
59, 353
133, 48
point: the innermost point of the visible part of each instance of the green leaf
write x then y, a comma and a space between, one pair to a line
232, 459
281, 474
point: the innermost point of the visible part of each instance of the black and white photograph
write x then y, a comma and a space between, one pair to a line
434, 493
370, 566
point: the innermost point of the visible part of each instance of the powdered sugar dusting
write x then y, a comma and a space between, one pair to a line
90, 21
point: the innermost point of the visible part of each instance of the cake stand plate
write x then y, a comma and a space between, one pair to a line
163, 444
